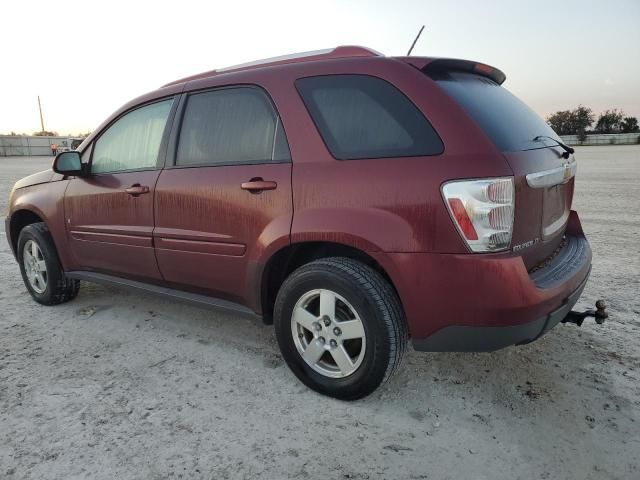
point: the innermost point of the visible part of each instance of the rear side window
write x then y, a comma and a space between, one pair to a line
508, 121
230, 126
359, 116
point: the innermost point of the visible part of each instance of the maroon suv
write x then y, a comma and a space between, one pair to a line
354, 200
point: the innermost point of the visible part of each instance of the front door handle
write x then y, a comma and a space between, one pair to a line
257, 185
136, 189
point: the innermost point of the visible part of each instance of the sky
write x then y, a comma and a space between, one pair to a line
87, 58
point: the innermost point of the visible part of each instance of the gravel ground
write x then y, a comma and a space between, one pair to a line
119, 385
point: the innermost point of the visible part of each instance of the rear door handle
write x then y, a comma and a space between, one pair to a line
137, 189
257, 185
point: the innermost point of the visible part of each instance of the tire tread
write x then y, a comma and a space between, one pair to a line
386, 299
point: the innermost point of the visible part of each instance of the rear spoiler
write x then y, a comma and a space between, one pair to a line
448, 64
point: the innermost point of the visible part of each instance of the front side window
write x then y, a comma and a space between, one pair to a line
230, 126
359, 116
133, 141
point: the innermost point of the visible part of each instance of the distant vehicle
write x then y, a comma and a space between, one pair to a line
68, 145
76, 142
352, 199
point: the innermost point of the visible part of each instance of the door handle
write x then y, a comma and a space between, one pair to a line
137, 189
257, 185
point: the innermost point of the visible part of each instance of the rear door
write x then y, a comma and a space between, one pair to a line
109, 214
226, 196
543, 176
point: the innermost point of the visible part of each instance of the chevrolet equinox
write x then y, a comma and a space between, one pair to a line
353, 200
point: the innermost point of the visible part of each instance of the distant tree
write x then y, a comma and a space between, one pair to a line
560, 121
45, 134
610, 121
630, 125
571, 122
581, 119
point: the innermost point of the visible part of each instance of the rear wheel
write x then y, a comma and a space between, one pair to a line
41, 269
340, 327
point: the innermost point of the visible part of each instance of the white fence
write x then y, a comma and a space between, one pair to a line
603, 139
18, 145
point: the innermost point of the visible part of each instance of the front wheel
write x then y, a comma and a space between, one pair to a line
340, 327
41, 269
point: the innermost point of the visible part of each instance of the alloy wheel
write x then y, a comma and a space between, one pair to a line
328, 333
34, 266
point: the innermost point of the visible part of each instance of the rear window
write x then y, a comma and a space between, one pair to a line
508, 121
230, 126
360, 116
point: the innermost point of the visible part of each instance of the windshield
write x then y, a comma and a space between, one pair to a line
508, 121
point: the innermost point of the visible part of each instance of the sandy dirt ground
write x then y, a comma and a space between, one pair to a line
120, 385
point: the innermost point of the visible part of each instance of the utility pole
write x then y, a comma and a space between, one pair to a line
41, 120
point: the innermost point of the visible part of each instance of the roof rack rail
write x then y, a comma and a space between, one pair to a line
343, 51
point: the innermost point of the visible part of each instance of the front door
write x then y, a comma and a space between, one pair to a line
109, 214
227, 196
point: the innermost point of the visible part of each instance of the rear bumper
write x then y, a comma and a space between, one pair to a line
458, 338
474, 302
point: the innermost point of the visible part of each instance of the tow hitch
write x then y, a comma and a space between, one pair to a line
599, 315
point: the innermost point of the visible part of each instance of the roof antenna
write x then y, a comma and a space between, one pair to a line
416, 39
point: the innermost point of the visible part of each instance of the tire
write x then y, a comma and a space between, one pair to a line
358, 293
53, 287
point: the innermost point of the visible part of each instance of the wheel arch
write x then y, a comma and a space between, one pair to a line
289, 258
20, 219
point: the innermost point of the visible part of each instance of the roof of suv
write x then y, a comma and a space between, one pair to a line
351, 51
344, 51
426, 64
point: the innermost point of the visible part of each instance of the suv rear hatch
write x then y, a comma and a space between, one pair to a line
543, 176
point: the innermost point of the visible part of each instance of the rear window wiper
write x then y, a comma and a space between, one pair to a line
567, 149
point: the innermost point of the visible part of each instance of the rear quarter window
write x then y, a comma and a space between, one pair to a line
359, 116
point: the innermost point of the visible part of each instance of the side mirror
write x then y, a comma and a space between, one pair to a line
68, 163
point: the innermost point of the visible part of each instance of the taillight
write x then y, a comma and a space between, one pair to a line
482, 210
